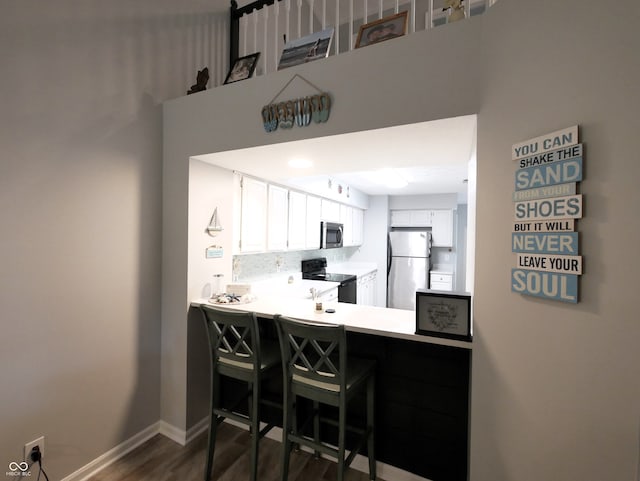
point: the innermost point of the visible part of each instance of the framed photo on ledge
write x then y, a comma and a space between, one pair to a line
242, 68
443, 314
306, 49
386, 28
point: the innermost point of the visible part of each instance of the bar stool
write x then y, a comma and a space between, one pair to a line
315, 366
236, 351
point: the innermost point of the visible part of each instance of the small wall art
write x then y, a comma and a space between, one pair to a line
386, 28
242, 68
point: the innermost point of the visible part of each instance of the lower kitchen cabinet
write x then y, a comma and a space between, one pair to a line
441, 281
366, 293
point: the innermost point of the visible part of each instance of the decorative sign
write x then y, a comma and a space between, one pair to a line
300, 111
554, 208
566, 225
545, 175
546, 204
213, 252
545, 143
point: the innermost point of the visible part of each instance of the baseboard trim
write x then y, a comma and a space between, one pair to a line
114, 454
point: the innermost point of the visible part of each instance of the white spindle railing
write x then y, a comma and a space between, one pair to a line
268, 36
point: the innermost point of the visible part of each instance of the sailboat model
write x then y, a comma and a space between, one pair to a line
214, 224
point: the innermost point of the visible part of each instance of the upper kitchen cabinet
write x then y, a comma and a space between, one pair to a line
352, 220
253, 217
442, 228
314, 209
411, 218
298, 220
330, 210
277, 218
440, 221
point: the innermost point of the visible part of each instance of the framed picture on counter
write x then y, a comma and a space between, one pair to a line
443, 314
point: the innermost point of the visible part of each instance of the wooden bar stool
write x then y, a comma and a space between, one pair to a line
237, 352
315, 366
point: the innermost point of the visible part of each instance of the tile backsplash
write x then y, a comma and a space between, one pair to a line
253, 267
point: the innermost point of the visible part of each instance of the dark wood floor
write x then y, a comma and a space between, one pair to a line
161, 459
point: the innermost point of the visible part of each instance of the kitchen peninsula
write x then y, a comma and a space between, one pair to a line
422, 386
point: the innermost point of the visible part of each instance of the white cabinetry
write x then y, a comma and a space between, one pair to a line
440, 221
411, 218
441, 281
313, 222
297, 221
358, 227
330, 211
346, 219
253, 218
442, 228
277, 218
366, 293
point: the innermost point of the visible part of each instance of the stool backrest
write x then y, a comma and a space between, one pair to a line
233, 337
313, 354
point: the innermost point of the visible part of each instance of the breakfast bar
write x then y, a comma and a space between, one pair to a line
423, 383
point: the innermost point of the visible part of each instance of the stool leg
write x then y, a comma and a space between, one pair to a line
286, 428
371, 426
255, 430
342, 427
213, 425
316, 425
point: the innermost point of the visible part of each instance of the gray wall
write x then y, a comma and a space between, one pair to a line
555, 391
80, 210
556, 387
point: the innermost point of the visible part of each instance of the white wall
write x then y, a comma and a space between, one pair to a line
80, 210
426, 201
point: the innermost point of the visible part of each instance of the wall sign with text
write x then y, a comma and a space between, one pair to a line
546, 206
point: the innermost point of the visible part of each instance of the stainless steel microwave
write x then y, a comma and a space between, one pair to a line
330, 235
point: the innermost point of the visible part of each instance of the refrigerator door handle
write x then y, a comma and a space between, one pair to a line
389, 254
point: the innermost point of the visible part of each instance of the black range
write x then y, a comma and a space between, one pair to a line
316, 269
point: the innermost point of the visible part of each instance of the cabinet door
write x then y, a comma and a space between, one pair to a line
400, 218
313, 223
297, 220
442, 230
358, 226
253, 216
277, 219
346, 219
330, 210
421, 218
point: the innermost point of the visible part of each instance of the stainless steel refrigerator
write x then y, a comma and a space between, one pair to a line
408, 259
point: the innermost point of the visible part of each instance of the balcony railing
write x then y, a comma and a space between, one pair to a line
266, 25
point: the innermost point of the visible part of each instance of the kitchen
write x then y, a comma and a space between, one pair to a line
244, 210
273, 222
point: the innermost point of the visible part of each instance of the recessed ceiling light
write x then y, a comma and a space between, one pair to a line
300, 163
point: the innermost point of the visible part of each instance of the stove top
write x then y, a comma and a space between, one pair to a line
316, 269
327, 276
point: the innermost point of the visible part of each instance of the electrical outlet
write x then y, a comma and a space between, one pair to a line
32, 444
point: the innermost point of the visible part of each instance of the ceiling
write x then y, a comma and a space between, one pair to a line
432, 156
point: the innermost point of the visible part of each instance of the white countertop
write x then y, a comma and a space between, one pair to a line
278, 287
381, 321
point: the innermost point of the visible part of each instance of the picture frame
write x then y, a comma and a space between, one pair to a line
443, 314
393, 26
242, 68
306, 49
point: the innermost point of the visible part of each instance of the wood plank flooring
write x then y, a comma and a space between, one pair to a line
161, 459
